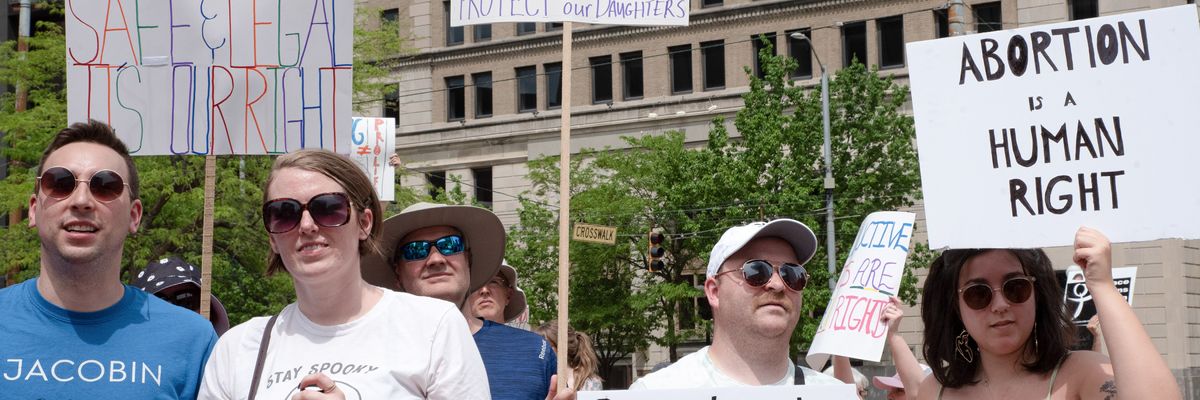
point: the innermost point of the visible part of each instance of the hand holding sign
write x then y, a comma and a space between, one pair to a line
1093, 253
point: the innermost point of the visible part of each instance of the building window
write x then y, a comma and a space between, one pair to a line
757, 40
554, 26
681, 68
553, 85
437, 182
987, 17
391, 101
1081, 9
483, 94
526, 28
483, 186
601, 79
526, 89
456, 98
891, 41
711, 3
391, 15
854, 43
454, 34
712, 63
631, 75
941, 23
482, 33
801, 51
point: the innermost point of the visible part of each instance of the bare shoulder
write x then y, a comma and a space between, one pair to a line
929, 388
1090, 373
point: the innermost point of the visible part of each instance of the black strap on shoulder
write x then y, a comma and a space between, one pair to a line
799, 380
262, 355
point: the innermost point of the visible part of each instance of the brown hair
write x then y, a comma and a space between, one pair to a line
349, 176
580, 355
93, 132
1053, 331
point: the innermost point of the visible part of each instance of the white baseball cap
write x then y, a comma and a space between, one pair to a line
801, 238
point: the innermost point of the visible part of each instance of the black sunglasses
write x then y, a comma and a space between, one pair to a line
58, 183
758, 272
326, 209
1016, 290
419, 249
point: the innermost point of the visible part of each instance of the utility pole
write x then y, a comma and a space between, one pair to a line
956, 15
14, 216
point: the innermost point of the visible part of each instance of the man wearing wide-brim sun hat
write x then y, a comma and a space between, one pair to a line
447, 252
437, 250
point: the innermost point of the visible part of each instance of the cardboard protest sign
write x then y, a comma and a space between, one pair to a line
372, 142
1026, 134
832, 392
212, 77
1078, 299
614, 12
872, 273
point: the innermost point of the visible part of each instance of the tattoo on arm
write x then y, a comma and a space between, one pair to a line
1110, 389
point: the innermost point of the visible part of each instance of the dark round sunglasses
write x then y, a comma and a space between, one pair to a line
58, 183
979, 295
326, 209
419, 249
758, 272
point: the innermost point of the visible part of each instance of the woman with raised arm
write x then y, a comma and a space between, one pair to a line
995, 328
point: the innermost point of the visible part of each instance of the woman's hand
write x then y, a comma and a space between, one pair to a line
318, 386
1093, 253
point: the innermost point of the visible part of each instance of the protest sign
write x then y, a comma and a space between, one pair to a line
614, 12
212, 77
372, 142
1078, 299
1026, 134
832, 392
872, 273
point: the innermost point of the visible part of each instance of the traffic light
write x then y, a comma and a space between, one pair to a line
654, 255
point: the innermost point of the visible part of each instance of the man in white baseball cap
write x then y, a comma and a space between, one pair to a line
755, 281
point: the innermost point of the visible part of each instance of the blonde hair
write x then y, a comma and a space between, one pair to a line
580, 354
349, 176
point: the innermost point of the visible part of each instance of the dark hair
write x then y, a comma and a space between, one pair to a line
351, 178
1053, 330
99, 133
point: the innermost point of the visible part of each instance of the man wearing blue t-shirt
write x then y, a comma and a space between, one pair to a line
447, 252
75, 331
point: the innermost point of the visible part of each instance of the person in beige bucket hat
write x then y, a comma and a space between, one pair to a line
471, 248
501, 300
448, 252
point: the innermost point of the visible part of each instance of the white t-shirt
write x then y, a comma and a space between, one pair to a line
406, 347
696, 370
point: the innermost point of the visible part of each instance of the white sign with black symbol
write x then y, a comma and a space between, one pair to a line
1078, 299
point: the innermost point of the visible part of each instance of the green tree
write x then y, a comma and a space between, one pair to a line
772, 169
604, 301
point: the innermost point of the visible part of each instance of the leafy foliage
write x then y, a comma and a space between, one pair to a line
773, 169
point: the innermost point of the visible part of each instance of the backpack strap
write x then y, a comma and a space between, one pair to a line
262, 355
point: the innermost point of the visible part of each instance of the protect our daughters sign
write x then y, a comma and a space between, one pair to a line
872, 274
213, 77
1026, 134
614, 12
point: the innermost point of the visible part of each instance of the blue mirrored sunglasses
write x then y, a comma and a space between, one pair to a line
419, 249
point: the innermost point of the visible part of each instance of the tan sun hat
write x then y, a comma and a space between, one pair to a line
517, 302
481, 229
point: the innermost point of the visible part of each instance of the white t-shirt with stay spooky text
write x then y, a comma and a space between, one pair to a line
406, 347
